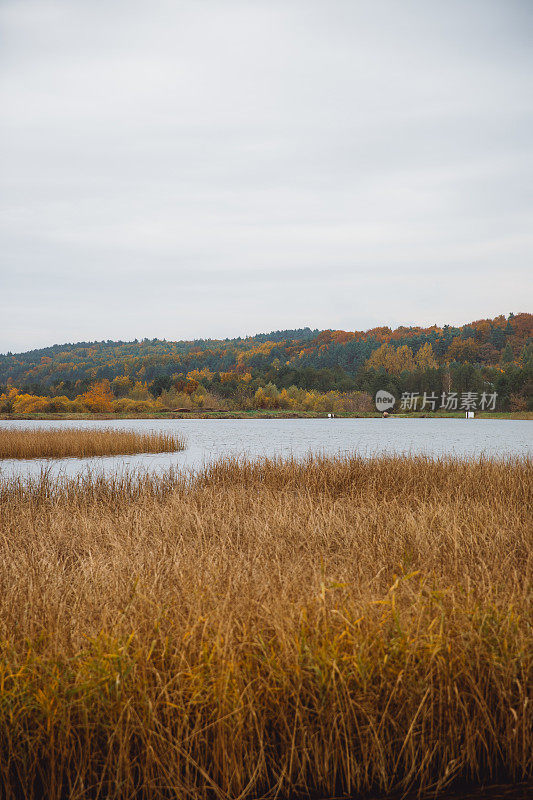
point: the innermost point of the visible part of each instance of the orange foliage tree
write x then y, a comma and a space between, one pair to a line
99, 397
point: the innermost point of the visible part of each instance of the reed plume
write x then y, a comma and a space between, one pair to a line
83, 442
267, 629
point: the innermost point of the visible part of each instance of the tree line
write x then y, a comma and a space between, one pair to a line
299, 369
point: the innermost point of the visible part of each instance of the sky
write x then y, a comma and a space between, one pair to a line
188, 169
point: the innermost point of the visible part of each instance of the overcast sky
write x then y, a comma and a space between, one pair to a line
195, 168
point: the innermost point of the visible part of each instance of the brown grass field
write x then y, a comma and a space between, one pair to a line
268, 630
82, 442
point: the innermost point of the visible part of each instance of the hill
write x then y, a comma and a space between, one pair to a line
478, 356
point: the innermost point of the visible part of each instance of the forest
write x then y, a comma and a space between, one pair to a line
301, 370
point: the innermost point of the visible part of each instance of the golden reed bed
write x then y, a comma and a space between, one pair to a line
83, 442
268, 630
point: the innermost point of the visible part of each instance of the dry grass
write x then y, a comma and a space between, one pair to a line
83, 442
270, 629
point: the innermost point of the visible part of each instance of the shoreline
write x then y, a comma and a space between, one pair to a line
503, 415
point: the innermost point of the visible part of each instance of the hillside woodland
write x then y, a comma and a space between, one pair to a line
302, 370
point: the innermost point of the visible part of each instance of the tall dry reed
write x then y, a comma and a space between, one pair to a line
83, 442
267, 630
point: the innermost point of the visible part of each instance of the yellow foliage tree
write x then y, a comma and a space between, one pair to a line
384, 357
425, 358
199, 374
392, 360
121, 385
139, 391
260, 398
404, 359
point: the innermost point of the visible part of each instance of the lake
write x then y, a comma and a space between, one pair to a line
210, 439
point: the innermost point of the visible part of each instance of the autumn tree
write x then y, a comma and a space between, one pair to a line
99, 397
463, 349
425, 358
404, 359
140, 391
384, 357
121, 385
392, 360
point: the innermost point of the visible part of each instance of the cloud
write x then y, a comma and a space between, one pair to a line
183, 169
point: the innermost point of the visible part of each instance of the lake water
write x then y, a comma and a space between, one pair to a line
210, 439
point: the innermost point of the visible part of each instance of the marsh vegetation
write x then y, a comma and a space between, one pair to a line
268, 628
83, 442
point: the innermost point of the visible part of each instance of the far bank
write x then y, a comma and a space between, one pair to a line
270, 414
